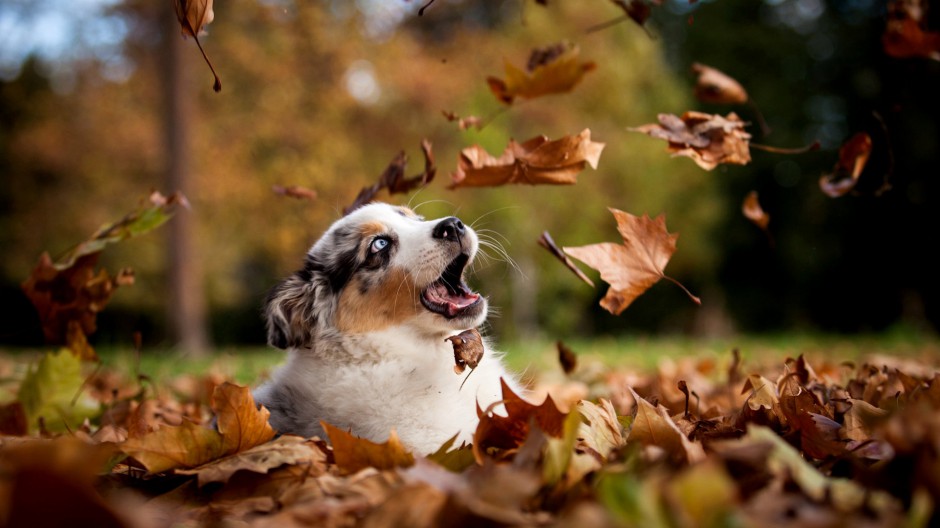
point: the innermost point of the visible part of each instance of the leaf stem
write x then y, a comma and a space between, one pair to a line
778, 150
695, 299
217, 85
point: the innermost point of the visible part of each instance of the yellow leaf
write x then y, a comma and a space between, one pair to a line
552, 70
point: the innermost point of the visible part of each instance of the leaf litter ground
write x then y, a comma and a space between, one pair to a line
799, 441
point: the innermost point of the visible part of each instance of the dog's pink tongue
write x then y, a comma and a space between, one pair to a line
453, 302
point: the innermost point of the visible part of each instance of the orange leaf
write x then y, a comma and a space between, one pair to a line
754, 212
353, 453
633, 267
242, 424
536, 161
715, 86
710, 140
852, 159
550, 70
261, 459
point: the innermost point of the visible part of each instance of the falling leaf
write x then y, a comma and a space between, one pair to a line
295, 191
500, 436
633, 267
353, 453
464, 123
241, 426
194, 16
536, 161
546, 242
52, 392
566, 358
69, 289
715, 86
906, 33
754, 212
468, 349
710, 140
393, 178
261, 459
853, 155
550, 70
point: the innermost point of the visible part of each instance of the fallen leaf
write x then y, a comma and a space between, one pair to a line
862, 419
550, 70
52, 392
453, 459
468, 349
536, 161
194, 16
353, 453
261, 459
295, 191
763, 392
393, 178
546, 242
633, 267
715, 86
710, 140
853, 155
652, 426
499, 436
241, 426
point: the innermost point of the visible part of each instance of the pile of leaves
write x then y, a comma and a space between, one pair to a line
687, 444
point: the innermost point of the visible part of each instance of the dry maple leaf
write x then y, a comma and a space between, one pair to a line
710, 140
353, 453
499, 436
241, 426
536, 161
853, 155
652, 426
550, 70
715, 86
754, 212
468, 349
194, 16
633, 267
393, 178
261, 459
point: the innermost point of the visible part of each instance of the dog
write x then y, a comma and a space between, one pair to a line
365, 323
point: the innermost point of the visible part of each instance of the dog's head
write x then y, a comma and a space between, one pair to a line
379, 267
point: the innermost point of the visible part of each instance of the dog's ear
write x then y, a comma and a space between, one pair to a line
290, 312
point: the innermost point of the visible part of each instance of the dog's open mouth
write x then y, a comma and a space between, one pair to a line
449, 295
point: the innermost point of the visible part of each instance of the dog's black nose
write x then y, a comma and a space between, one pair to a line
450, 228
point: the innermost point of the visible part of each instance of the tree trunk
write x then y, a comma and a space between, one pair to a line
186, 306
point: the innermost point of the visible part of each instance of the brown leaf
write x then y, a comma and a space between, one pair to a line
261, 459
754, 212
464, 123
241, 425
710, 140
468, 349
546, 242
241, 422
652, 426
13, 420
714, 86
566, 357
633, 267
852, 159
500, 436
551, 70
295, 191
353, 453
393, 178
535, 161
194, 16
906, 33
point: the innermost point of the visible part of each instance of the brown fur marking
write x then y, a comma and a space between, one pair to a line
369, 229
391, 302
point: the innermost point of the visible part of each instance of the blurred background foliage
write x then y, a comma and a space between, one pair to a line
323, 94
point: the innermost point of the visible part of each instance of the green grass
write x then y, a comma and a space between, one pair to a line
248, 365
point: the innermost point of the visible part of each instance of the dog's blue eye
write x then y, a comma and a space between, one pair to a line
379, 244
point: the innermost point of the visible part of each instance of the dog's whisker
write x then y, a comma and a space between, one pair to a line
426, 202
